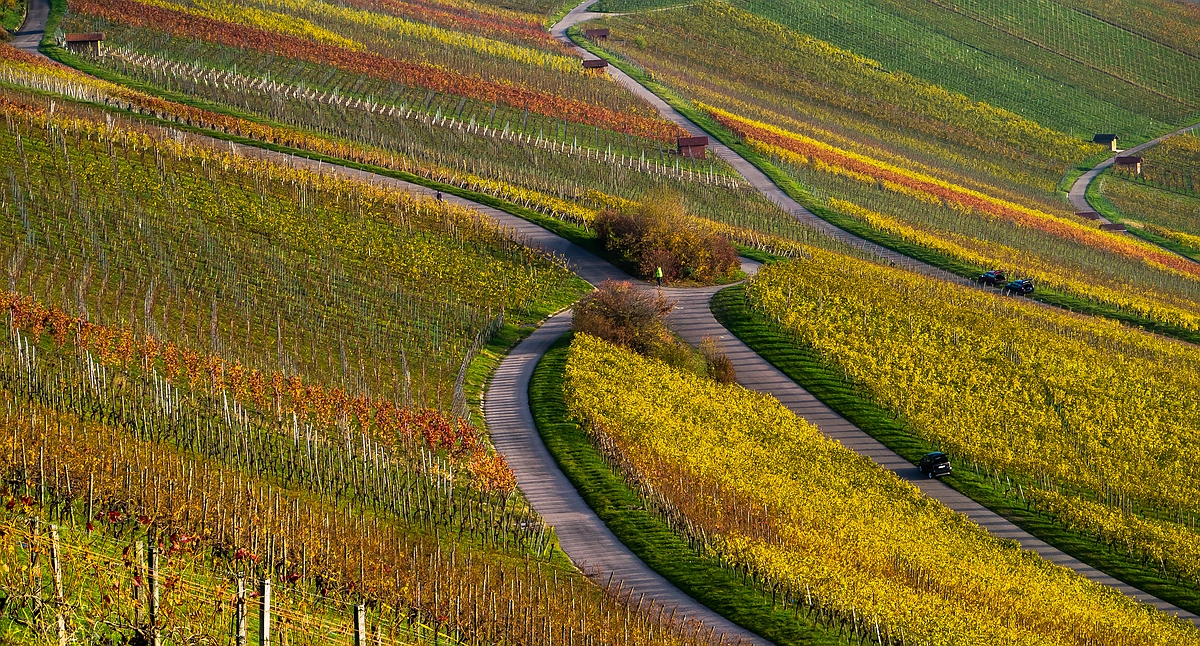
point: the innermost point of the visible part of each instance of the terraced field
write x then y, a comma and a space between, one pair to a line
250, 337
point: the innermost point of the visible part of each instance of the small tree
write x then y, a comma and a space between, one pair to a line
660, 233
623, 313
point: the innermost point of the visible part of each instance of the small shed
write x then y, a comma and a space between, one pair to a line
692, 146
595, 64
1131, 162
600, 33
1088, 215
1109, 140
1113, 226
84, 43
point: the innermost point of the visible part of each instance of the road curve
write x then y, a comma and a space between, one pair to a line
29, 36
755, 177
582, 535
1078, 193
693, 320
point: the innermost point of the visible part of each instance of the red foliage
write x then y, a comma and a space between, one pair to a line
1082, 235
430, 77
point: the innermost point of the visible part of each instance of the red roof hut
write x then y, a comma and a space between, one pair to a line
79, 43
692, 146
1131, 162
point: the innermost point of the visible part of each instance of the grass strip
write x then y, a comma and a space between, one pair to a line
648, 536
861, 229
803, 366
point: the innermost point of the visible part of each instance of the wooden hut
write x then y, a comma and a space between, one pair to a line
691, 146
1088, 215
595, 64
1113, 226
1109, 140
600, 33
1132, 162
84, 43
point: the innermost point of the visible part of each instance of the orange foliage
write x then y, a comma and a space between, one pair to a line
430, 77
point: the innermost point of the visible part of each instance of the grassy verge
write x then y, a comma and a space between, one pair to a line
804, 367
860, 229
11, 19
644, 533
1105, 207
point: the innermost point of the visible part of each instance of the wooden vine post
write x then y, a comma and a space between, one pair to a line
60, 620
152, 594
264, 623
360, 625
240, 619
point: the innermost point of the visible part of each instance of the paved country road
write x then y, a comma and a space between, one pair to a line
1078, 194
693, 320
581, 533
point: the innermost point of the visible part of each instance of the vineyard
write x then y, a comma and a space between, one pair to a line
117, 480
1048, 61
235, 402
242, 391
812, 86
559, 166
829, 532
1104, 418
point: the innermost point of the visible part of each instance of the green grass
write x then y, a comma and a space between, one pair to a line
857, 227
1029, 72
11, 18
803, 366
644, 533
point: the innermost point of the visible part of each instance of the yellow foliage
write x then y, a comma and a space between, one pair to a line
810, 516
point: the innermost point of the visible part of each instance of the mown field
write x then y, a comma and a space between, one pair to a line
826, 530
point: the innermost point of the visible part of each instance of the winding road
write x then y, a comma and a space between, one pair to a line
1078, 193
582, 535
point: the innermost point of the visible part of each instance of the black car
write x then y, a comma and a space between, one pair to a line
994, 278
935, 465
1022, 286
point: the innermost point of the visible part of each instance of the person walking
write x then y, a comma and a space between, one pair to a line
658, 275
439, 196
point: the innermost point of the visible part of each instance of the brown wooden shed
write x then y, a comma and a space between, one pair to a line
691, 146
1131, 162
600, 33
81, 43
595, 64
1088, 215
1113, 226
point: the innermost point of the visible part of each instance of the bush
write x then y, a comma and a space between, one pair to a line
636, 318
624, 314
659, 233
720, 366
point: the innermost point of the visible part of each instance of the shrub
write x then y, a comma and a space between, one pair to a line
659, 233
624, 314
720, 366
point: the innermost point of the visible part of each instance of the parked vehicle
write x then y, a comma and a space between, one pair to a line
994, 278
935, 465
1022, 286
